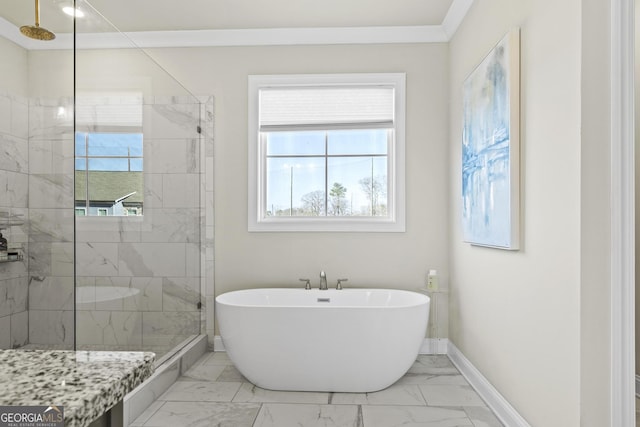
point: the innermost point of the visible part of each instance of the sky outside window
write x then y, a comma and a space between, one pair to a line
109, 151
327, 173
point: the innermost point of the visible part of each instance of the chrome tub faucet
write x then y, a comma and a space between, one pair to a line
323, 281
307, 284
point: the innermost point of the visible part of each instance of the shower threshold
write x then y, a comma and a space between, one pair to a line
162, 352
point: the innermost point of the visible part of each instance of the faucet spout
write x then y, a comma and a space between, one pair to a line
323, 281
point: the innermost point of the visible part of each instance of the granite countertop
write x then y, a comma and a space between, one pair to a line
85, 383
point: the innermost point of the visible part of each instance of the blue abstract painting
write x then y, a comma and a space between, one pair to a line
490, 148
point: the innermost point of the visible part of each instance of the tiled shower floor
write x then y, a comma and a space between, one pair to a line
213, 393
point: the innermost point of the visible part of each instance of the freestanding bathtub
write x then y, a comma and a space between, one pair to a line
351, 340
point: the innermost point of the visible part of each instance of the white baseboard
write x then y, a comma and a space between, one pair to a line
498, 404
429, 345
218, 345
434, 346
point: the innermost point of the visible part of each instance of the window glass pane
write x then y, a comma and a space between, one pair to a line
80, 144
136, 165
109, 164
364, 180
370, 141
295, 187
295, 143
355, 184
115, 144
81, 164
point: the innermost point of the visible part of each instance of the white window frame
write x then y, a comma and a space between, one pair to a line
258, 221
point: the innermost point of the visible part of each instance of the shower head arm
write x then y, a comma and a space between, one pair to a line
37, 13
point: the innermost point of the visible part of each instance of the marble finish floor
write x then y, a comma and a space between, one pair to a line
214, 393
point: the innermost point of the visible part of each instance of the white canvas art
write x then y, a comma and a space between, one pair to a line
490, 148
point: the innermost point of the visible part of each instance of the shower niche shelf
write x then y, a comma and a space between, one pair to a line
9, 220
18, 257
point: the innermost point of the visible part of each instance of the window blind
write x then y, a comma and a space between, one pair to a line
113, 109
322, 107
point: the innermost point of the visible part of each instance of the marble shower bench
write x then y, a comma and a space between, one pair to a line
89, 385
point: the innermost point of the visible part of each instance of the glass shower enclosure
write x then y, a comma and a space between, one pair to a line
101, 191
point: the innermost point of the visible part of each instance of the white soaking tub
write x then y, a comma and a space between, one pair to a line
350, 340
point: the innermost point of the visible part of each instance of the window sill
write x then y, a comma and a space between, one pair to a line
359, 225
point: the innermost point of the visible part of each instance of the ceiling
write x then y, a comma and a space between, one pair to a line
165, 15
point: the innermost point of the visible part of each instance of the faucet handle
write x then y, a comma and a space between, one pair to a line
339, 284
307, 285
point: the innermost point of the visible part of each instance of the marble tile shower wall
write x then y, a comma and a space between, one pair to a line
159, 255
165, 257
51, 222
13, 202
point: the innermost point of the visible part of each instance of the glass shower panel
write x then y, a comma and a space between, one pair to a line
138, 210
36, 183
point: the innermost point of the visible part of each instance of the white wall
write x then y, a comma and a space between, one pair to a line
516, 315
243, 259
596, 220
13, 68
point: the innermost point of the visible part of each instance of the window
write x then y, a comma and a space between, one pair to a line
326, 152
109, 174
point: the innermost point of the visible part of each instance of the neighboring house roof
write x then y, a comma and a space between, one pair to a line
109, 186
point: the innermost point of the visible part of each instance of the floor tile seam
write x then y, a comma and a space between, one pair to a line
466, 417
460, 407
257, 415
236, 393
402, 405
360, 417
426, 401
358, 407
464, 408
164, 399
309, 404
484, 402
152, 414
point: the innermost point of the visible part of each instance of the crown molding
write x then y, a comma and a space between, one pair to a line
251, 37
457, 11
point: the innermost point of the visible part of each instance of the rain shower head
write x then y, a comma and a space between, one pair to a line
36, 31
